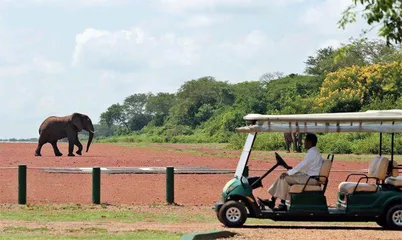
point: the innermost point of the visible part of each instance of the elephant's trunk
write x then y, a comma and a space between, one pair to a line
91, 136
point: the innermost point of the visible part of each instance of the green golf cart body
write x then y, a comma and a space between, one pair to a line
372, 197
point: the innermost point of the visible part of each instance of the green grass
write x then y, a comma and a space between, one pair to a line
89, 213
59, 221
138, 234
24, 229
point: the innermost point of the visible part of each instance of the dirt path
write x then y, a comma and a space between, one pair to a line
129, 188
302, 231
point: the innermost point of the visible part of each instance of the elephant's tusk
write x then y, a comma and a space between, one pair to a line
91, 131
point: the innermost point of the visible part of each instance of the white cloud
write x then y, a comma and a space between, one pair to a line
37, 65
233, 40
323, 18
178, 6
69, 3
204, 20
132, 50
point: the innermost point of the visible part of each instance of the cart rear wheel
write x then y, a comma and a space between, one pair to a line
394, 217
233, 214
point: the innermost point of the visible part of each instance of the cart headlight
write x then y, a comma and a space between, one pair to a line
231, 188
227, 185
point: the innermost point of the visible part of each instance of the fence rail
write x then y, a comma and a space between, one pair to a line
170, 171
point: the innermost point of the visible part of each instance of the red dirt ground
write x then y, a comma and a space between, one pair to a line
132, 188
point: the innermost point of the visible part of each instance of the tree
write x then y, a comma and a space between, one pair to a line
115, 114
351, 88
250, 97
193, 94
134, 107
322, 63
360, 52
266, 77
386, 13
158, 107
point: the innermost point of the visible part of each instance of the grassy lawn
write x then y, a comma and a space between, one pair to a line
89, 213
90, 234
117, 222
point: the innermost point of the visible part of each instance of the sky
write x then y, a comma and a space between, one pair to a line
58, 57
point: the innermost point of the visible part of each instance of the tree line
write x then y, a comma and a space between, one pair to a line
359, 75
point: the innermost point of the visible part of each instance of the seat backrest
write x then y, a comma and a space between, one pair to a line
325, 169
378, 167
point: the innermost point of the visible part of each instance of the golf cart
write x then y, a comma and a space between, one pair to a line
372, 197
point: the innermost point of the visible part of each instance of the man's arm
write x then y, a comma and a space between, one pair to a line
302, 165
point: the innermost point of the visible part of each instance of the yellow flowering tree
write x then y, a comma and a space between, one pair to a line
350, 88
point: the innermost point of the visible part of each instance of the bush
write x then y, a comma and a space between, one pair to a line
334, 142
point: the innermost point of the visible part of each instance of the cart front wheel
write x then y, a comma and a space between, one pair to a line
394, 217
233, 214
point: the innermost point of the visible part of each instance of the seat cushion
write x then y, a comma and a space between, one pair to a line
395, 181
348, 187
297, 188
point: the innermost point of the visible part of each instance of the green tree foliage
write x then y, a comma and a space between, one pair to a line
134, 107
158, 107
250, 96
357, 76
322, 63
114, 115
194, 94
386, 13
131, 115
357, 52
351, 88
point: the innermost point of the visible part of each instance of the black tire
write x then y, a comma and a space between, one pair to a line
394, 217
219, 218
233, 214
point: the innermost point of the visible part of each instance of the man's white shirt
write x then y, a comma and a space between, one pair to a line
311, 164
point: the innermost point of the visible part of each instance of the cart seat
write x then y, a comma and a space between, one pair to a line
315, 186
309, 188
395, 181
377, 170
349, 187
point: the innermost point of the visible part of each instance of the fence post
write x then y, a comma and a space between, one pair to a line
170, 185
22, 184
96, 185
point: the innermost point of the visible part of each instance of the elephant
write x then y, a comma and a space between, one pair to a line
295, 138
55, 128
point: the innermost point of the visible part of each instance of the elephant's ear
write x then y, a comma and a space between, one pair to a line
76, 121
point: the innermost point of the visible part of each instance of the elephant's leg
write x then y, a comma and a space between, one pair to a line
70, 148
71, 135
79, 145
287, 146
41, 142
56, 150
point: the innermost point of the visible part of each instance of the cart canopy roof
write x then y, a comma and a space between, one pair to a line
388, 121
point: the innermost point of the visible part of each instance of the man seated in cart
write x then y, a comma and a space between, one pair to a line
310, 166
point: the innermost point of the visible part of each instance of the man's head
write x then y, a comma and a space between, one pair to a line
310, 141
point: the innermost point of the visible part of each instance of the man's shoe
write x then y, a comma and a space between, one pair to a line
280, 207
267, 203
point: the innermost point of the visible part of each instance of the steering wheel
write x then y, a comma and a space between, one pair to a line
281, 162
